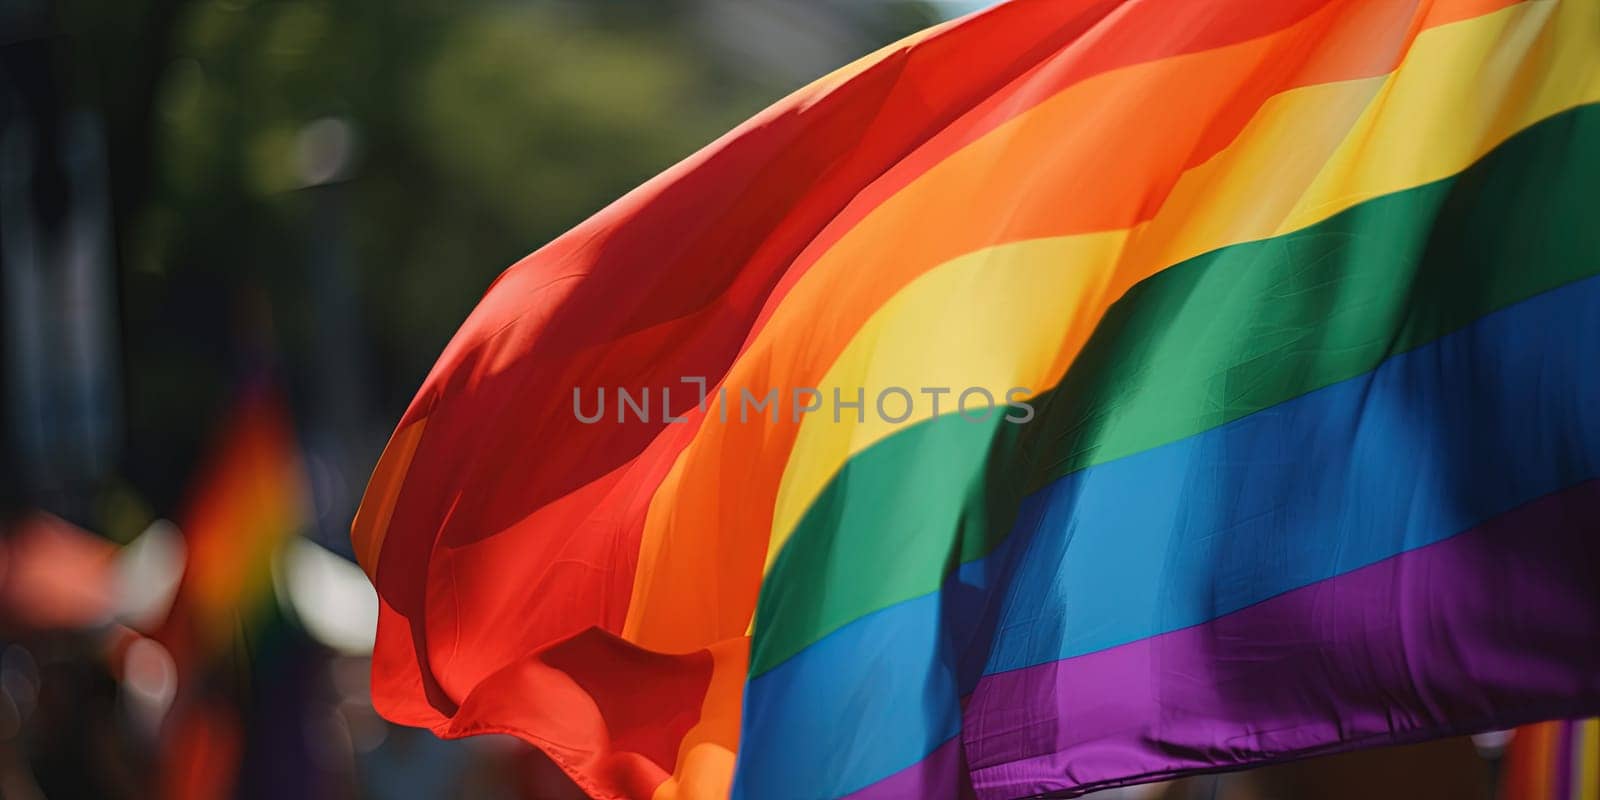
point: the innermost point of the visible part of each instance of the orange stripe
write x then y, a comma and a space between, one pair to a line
705, 538
1529, 765
706, 757
1087, 38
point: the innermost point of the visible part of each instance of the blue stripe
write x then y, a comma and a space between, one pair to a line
1431, 443
815, 725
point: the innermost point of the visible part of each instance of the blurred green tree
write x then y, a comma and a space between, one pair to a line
480, 129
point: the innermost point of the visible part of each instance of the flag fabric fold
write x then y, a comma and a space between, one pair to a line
1074, 395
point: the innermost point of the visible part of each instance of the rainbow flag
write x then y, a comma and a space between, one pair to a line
1078, 394
250, 498
1557, 760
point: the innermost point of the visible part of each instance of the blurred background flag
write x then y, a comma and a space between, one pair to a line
1303, 300
249, 499
1556, 760
248, 502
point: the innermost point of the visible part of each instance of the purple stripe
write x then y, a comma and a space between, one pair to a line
1563, 759
1490, 628
941, 774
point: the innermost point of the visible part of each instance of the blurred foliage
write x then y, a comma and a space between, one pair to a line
481, 130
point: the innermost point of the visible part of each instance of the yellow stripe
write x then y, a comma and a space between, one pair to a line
1586, 761
1016, 315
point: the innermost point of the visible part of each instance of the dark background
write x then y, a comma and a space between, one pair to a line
321, 190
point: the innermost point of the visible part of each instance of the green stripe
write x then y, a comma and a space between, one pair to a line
1200, 344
